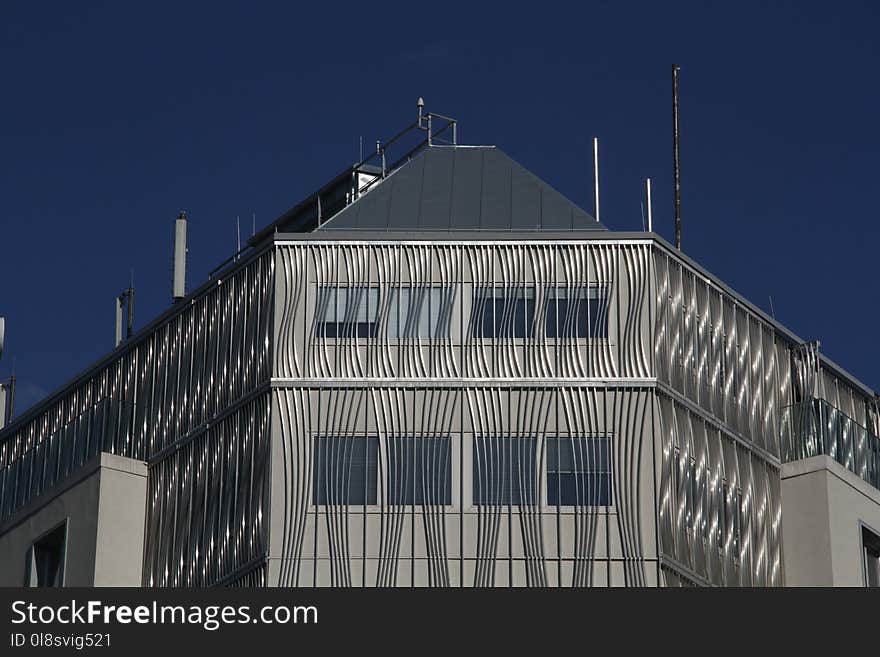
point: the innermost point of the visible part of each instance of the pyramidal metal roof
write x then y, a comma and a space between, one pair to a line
461, 188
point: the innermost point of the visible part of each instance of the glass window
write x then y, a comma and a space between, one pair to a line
576, 312
579, 471
505, 471
420, 471
45, 565
346, 469
504, 313
348, 312
420, 312
871, 547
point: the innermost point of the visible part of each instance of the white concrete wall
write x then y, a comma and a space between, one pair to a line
824, 506
104, 506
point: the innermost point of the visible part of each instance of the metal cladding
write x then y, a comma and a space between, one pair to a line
688, 385
470, 392
198, 379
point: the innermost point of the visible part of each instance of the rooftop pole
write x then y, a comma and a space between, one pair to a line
596, 177
676, 172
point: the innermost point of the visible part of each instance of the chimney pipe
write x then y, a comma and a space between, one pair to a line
179, 283
118, 304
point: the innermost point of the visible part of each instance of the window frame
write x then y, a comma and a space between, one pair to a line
476, 503
448, 331
367, 505
390, 501
477, 318
609, 440
865, 529
31, 575
320, 317
593, 294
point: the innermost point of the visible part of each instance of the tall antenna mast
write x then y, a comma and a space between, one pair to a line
648, 203
675, 157
596, 178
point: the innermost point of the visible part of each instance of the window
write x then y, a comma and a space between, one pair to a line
45, 563
505, 471
578, 471
576, 312
420, 471
504, 313
871, 550
346, 469
420, 312
347, 312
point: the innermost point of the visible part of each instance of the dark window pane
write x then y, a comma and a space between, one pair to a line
523, 317
47, 559
505, 471
576, 313
420, 471
599, 315
484, 315
566, 313
579, 472
504, 313
346, 469
871, 546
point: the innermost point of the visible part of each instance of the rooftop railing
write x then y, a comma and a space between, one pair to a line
815, 427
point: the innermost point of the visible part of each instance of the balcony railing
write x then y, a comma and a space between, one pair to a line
816, 427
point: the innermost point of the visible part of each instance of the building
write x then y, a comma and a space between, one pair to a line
441, 372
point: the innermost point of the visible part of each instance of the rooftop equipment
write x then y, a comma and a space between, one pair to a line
125, 298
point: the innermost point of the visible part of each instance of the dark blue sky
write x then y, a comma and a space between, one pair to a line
113, 118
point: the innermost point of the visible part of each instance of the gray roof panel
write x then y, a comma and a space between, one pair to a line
495, 211
465, 197
462, 188
437, 182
